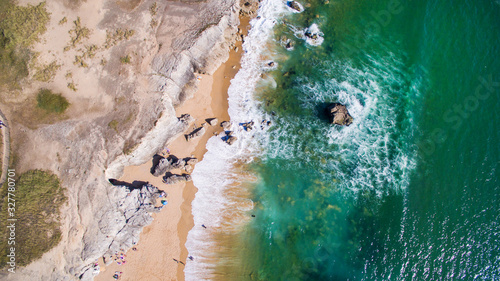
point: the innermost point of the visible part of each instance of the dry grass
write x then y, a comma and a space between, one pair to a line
39, 197
113, 38
20, 28
78, 33
46, 73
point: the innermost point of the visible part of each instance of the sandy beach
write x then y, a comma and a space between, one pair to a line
161, 252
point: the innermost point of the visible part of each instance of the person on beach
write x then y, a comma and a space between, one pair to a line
2, 124
203, 226
191, 258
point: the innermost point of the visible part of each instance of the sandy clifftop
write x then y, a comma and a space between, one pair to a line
122, 109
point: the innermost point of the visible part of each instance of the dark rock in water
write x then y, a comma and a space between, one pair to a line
294, 5
339, 115
191, 161
231, 140
248, 126
271, 64
290, 45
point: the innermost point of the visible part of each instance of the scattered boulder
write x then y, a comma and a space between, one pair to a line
230, 140
248, 126
186, 118
191, 161
338, 114
212, 121
178, 164
173, 179
226, 125
198, 132
188, 169
295, 6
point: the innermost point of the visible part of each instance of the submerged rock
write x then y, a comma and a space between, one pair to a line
339, 115
131, 208
191, 161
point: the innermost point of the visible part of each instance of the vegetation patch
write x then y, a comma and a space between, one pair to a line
46, 73
50, 102
153, 10
113, 38
78, 34
72, 86
113, 125
63, 21
39, 197
126, 59
20, 28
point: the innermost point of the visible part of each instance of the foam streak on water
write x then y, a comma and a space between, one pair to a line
214, 177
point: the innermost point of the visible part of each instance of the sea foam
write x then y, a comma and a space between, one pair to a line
214, 175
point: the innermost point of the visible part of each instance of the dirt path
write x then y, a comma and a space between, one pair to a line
6, 147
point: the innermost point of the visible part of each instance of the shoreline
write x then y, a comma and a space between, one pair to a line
167, 234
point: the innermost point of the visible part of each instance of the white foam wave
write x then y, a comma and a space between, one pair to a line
312, 34
214, 175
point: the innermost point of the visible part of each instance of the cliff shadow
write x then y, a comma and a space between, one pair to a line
128, 185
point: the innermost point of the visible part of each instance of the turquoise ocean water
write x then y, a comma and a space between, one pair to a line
409, 191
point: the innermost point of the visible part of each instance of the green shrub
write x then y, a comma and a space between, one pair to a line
20, 27
39, 197
51, 102
113, 125
125, 59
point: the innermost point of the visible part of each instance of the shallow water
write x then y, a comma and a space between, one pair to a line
409, 191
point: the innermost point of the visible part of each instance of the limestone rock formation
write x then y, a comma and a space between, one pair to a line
212, 121
339, 115
164, 165
248, 126
198, 132
130, 212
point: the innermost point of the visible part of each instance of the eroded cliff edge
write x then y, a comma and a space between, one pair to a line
85, 151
